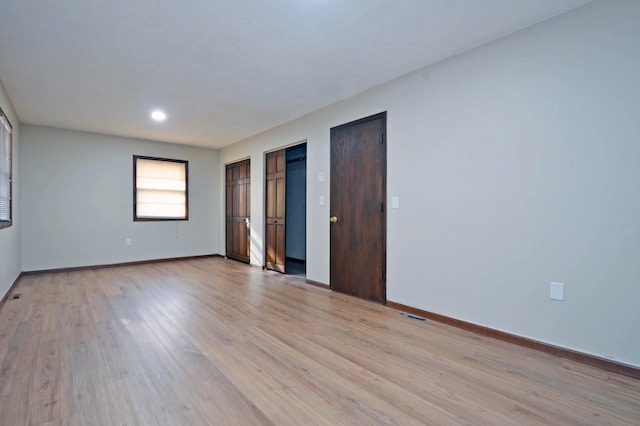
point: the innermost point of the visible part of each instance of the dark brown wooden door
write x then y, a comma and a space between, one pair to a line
358, 211
238, 211
275, 190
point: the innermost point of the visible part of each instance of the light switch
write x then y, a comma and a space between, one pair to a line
395, 202
321, 200
556, 291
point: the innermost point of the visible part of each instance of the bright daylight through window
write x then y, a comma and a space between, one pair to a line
160, 189
5, 171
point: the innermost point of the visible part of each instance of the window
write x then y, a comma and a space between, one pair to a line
5, 171
160, 189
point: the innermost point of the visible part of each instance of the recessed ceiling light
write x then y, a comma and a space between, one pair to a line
158, 115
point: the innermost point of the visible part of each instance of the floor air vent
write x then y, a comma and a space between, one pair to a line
415, 317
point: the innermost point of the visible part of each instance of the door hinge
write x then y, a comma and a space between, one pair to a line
381, 207
382, 275
381, 138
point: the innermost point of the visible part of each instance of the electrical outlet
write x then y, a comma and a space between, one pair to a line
556, 291
127, 242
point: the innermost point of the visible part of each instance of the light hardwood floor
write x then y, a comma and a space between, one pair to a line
212, 341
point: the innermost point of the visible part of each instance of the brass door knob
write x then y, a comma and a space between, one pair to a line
333, 219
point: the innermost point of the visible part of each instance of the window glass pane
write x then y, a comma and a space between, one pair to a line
5, 171
161, 189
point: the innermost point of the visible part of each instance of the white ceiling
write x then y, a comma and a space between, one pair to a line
227, 70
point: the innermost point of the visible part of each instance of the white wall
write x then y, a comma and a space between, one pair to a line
10, 237
77, 204
516, 163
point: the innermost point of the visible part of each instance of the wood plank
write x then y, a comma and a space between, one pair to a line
211, 341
